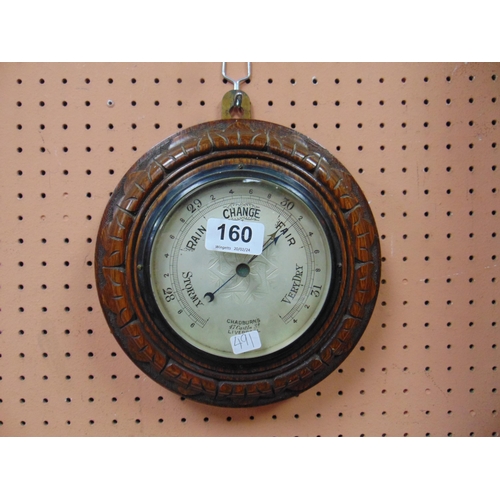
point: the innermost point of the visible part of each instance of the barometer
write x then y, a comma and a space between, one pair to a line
237, 261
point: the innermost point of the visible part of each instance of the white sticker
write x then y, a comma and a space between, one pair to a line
224, 235
245, 342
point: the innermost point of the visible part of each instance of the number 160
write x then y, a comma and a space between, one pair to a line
234, 233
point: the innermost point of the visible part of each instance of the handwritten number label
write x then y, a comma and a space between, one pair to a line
245, 342
224, 235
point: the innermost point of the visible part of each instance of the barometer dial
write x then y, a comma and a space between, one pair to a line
275, 290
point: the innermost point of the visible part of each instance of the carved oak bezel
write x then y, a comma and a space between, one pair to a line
118, 264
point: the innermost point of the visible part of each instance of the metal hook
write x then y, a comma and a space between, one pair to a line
238, 98
236, 83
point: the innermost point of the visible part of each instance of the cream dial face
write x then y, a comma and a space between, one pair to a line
210, 298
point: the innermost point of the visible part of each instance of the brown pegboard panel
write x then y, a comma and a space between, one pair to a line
421, 140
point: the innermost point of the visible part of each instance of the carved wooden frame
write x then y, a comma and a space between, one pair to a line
196, 375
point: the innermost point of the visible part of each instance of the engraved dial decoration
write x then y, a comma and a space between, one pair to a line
209, 296
237, 263
263, 272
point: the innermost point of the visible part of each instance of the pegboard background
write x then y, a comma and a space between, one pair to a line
420, 139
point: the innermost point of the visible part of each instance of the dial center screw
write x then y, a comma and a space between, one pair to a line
243, 270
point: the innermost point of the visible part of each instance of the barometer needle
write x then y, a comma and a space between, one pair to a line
272, 239
211, 295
